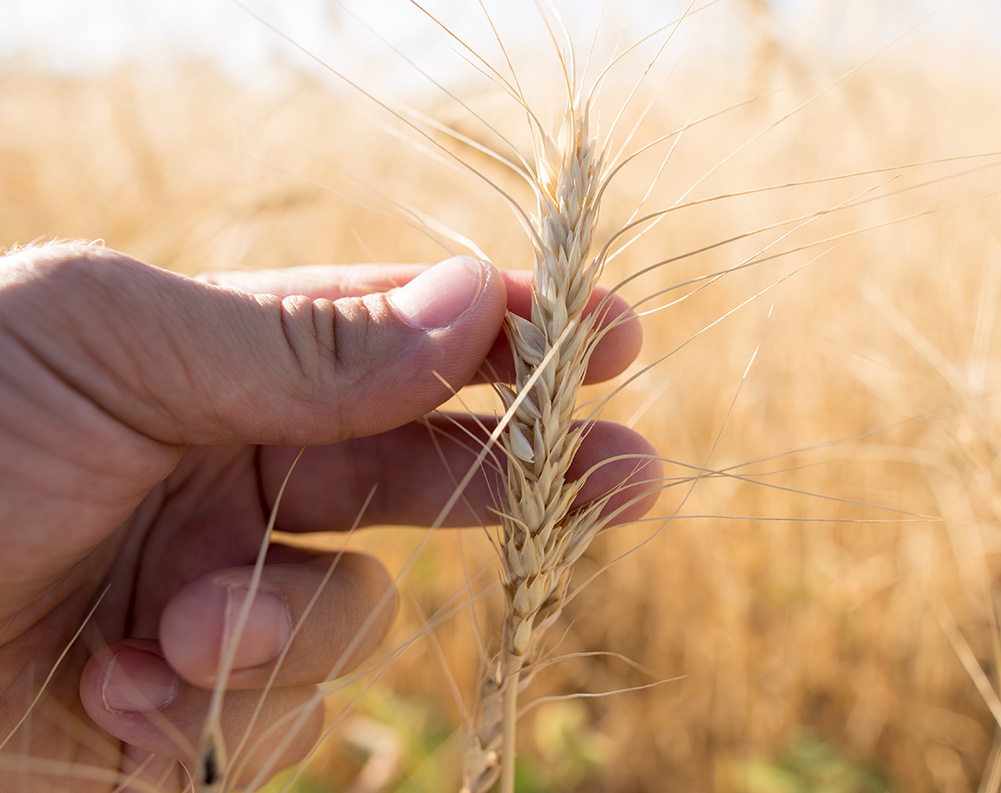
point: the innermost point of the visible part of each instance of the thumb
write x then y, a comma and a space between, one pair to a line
186, 362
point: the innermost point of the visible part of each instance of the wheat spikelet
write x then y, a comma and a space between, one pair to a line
542, 535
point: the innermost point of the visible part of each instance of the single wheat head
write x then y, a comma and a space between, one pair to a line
542, 534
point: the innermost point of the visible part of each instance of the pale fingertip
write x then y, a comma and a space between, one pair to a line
441, 295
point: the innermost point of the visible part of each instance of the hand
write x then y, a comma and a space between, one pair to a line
147, 421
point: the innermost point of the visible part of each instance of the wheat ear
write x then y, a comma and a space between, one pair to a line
542, 535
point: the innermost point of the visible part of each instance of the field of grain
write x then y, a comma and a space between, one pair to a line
814, 596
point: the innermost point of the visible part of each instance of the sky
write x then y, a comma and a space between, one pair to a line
75, 35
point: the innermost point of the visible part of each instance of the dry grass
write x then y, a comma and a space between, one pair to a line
822, 517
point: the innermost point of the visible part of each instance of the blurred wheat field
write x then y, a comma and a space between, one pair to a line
825, 552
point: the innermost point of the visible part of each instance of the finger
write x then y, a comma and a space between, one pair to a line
131, 692
307, 623
318, 281
617, 348
406, 476
186, 362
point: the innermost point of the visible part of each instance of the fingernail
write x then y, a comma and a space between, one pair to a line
138, 681
264, 634
439, 296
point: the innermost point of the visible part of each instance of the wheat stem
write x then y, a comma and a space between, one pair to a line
510, 718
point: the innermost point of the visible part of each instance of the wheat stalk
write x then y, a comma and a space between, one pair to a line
542, 535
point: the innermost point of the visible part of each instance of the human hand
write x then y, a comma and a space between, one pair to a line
147, 421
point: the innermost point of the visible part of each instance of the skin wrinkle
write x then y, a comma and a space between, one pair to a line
59, 331
149, 550
288, 310
258, 469
42, 644
236, 400
335, 333
186, 510
321, 310
125, 345
40, 360
330, 365
353, 311
183, 372
99, 286
158, 415
135, 541
13, 626
112, 431
382, 464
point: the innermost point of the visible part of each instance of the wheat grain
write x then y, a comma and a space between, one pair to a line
542, 535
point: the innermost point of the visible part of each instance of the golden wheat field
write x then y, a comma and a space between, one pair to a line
812, 604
